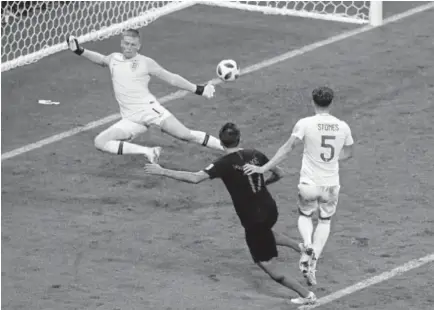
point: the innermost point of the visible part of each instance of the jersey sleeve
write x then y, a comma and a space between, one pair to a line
108, 58
348, 138
299, 129
216, 169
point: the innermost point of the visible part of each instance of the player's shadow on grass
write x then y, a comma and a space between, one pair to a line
125, 174
177, 203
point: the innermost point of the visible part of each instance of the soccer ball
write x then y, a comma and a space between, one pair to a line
228, 70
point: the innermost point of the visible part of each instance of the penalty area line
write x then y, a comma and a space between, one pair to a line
255, 67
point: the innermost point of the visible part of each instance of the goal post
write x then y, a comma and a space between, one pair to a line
376, 13
32, 30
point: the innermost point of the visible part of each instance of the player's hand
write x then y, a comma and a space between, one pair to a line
153, 169
74, 45
208, 91
251, 169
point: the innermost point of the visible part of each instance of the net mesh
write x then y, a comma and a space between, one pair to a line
342, 11
32, 30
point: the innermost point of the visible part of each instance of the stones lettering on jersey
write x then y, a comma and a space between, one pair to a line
328, 127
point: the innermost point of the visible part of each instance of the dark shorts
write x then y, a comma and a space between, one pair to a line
261, 242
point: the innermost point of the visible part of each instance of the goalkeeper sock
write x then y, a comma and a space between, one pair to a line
305, 227
320, 237
205, 139
122, 147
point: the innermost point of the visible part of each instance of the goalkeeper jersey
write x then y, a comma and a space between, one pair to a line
130, 79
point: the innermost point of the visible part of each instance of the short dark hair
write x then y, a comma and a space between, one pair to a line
322, 96
131, 33
230, 135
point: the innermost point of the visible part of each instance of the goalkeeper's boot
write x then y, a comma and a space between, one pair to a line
309, 300
155, 156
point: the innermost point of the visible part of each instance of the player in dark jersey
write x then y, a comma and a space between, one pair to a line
254, 205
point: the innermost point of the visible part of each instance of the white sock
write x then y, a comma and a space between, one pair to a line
122, 147
207, 140
305, 227
320, 237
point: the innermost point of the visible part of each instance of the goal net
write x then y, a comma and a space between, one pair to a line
32, 30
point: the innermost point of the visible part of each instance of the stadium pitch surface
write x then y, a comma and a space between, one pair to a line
86, 230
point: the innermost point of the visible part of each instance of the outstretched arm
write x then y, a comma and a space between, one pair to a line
95, 57
276, 175
184, 176
281, 154
178, 81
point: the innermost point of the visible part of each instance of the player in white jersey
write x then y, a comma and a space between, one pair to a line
139, 109
327, 140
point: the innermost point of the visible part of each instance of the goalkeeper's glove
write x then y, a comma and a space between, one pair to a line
74, 46
205, 90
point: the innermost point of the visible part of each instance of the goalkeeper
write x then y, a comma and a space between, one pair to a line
130, 74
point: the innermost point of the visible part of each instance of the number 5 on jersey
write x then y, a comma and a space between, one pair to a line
327, 142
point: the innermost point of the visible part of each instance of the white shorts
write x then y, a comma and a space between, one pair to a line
153, 115
322, 198
138, 123
131, 129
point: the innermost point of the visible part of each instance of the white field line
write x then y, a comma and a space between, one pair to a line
413, 264
250, 69
387, 275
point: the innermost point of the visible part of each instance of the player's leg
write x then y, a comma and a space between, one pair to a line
282, 240
172, 126
114, 139
277, 274
263, 248
307, 205
327, 208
